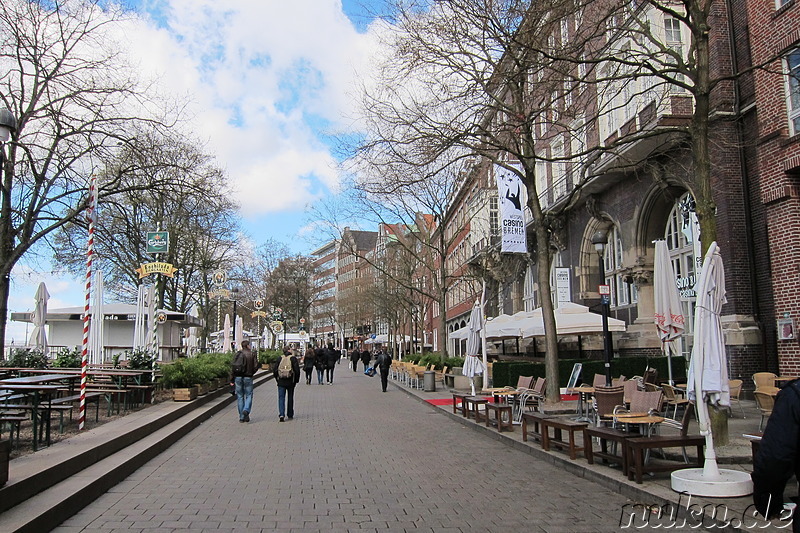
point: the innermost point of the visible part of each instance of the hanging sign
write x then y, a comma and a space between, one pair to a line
562, 285
157, 242
156, 268
258, 313
511, 198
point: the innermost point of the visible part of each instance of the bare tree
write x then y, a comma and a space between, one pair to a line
78, 107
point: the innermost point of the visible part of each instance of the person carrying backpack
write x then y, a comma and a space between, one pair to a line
243, 368
287, 373
383, 361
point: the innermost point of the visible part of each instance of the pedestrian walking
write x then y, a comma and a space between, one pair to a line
366, 357
777, 457
355, 356
383, 361
320, 362
287, 375
331, 358
243, 368
308, 365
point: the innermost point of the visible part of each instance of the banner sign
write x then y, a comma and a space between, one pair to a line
157, 242
563, 285
511, 194
258, 313
156, 268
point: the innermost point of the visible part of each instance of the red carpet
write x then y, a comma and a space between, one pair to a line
441, 401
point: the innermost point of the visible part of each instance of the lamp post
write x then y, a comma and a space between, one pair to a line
600, 240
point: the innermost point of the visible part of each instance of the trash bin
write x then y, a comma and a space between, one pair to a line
429, 381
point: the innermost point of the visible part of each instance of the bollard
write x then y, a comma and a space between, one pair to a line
429, 381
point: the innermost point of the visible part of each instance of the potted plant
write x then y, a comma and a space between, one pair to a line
181, 378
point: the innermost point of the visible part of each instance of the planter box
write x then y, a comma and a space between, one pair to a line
5, 451
184, 395
202, 389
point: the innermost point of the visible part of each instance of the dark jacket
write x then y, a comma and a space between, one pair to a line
777, 457
250, 364
331, 357
309, 360
355, 355
366, 357
383, 361
319, 359
287, 382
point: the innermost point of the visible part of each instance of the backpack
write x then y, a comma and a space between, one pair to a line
285, 370
239, 366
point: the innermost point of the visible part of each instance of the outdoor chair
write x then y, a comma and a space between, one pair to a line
644, 402
630, 387
764, 379
599, 380
735, 386
651, 387
672, 399
605, 400
529, 398
765, 402
772, 391
440, 374
650, 376
617, 382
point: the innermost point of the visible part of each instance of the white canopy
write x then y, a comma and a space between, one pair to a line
572, 319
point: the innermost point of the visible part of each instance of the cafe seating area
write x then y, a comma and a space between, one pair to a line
34, 398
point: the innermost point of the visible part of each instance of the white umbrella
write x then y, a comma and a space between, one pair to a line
708, 382
226, 334
571, 319
668, 313
96, 324
139, 325
39, 318
238, 332
473, 366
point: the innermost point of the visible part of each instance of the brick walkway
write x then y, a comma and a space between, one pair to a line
353, 459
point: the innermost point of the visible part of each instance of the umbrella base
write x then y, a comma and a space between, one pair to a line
729, 484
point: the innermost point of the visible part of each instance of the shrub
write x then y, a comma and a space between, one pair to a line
269, 357
66, 358
182, 373
26, 358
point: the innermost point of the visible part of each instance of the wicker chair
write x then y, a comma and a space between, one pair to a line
765, 402
735, 386
764, 379
606, 399
672, 398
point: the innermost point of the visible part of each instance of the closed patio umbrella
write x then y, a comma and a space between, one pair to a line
96, 325
39, 318
226, 334
238, 333
708, 383
669, 317
473, 366
139, 325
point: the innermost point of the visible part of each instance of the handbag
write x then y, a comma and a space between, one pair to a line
370, 372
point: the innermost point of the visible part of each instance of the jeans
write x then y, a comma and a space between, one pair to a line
283, 408
329, 374
320, 374
244, 395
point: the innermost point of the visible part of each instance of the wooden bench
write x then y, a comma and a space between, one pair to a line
112, 394
76, 398
563, 424
500, 410
14, 420
605, 435
534, 431
472, 406
637, 447
458, 402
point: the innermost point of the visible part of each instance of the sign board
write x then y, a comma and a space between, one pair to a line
146, 269
604, 290
219, 293
161, 317
258, 304
157, 242
563, 293
219, 277
258, 313
277, 327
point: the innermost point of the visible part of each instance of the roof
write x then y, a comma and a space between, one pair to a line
116, 311
364, 240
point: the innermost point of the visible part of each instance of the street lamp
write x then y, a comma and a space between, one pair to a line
600, 240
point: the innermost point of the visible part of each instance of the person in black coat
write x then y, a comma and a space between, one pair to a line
331, 358
366, 357
383, 361
308, 365
355, 355
320, 361
777, 458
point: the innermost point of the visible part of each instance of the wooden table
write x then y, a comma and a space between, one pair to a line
641, 419
559, 425
38, 392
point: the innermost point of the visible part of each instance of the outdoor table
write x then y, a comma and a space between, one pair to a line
782, 380
37, 392
584, 391
644, 420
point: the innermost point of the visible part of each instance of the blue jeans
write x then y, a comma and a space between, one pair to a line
283, 408
244, 395
320, 374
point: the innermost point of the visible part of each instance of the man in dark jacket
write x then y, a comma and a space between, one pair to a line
320, 362
242, 379
366, 357
777, 457
355, 355
331, 358
383, 361
286, 386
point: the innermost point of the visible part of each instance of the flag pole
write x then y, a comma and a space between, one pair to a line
90, 215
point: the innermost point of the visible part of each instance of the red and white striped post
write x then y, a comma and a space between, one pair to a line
90, 215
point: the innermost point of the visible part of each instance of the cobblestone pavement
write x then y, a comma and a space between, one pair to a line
353, 459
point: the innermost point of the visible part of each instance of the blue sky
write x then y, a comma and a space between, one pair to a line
270, 81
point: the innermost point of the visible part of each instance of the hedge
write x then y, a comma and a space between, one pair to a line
507, 372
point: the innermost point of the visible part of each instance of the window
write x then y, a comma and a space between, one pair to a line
623, 292
674, 40
682, 234
793, 89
